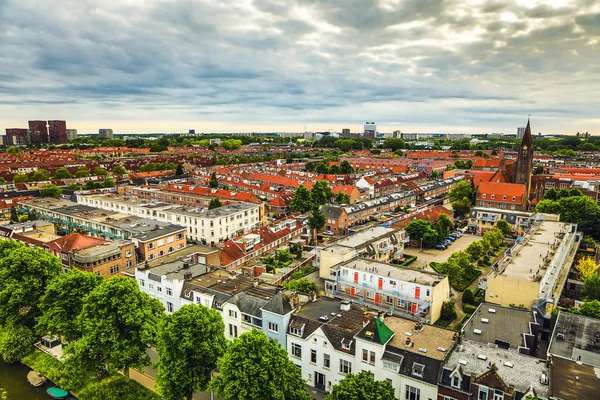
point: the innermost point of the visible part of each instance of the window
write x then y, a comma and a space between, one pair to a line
296, 331
493, 196
498, 395
368, 356
390, 366
179, 236
313, 356
142, 283
483, 393
64, 256
169, 306
114, 269
456, 381
170, 239
171, 249
326, 360
417, 370
159, 289
483, 196
413, 393
128, 253
273, 327
161, 242
247, 318
128, 264
233, 331
169, 292
150, 286
233, 314
296, 350
150, 246
345, 367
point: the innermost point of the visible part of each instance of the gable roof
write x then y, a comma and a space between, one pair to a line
499, 190
77, 241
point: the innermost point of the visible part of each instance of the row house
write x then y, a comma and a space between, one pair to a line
378, 243
160, 242
106, 260
398, 290
496, 363
279, 206
329, 339
483, 219
235, 253
263, 191
204, 226
340, 219
505, 196
65, 247
397, 183
433, 189
31, 233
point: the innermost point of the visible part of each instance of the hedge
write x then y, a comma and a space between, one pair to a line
469, 309
408, 259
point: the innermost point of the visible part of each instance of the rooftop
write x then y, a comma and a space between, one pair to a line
366, 236
504, 323
180, 254
515, 369
571, 380
101, 251
175, 270
430, 338
405, 274
576, 337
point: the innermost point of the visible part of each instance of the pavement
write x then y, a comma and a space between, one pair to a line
426, 256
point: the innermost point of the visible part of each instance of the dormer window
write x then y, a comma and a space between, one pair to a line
456, 382
483, 196
297, 331
418, 369
504, 197
514, 198
493, 196
347, 345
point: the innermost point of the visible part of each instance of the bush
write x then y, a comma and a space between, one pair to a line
469, 309
408, 259
467, 297
448, 311
119, 388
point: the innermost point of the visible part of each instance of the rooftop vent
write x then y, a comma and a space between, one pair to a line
560, 336
441, 349
369, 334
485, 320
462, 362
492, 310
509, 364
482, 357
477, 331
422, 350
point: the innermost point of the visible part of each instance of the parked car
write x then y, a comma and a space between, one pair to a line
440, 246
453, 235
450, 238
446, 242
458, 233
328, 233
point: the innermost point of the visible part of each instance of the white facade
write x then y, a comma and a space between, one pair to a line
207, 226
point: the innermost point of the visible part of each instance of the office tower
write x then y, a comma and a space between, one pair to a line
38, 132
57, 131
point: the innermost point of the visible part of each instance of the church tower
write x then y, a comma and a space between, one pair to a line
524, 167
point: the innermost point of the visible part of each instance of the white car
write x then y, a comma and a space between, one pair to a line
328, 233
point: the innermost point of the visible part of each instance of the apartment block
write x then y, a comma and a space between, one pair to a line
38, 132
106, 260
57, 132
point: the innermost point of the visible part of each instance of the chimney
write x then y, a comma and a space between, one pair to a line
186, 265
381, 315
187, 276
366, 318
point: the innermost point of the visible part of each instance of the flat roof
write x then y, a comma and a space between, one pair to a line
364, 237
429, 338
576, 336
101, 249
182, 253
529, 259
514, 368
505, 323
570, 380
175, 271
405, 274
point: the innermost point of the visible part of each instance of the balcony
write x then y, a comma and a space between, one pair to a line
363, 286
385, 249
489, 219
405, 240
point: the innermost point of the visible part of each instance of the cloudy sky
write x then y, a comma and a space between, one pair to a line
255, 65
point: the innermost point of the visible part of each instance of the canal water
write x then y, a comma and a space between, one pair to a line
13, 379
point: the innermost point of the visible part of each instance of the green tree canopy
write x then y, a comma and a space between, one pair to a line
179, 170
591, 287
590, 309
346, 168
63, 173
16, 341
63, 301
394, 144
82, 172
321, 193
302, 200
303, 285
119, 170
20, 177
40, 175
420, 229
444, 225
504, 227
99, 171
190, 341
214, 203
462, 206
475, 250
257, 368
461, 190
316, 220
342, 198
361, 386
213, 183
118, 323
51, 191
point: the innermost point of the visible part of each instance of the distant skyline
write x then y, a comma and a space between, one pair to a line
141, 66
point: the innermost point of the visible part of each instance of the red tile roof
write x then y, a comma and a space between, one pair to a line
77, 241
500, 190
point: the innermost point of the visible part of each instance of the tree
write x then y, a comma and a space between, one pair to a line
587, 267
461, 190
462, 207
63, 301
342, 198
394, 144
591, 287
551, 194
213, 183
13, 151
16, 341
82, 172
296, 249
303, 285
321, 193
448, 312
99, 171
190, 341
14, 216
346, 168
494, 237
263, 372
214, 203
302, 200
40, 175
361, 386
467, 297
283, 256
51, 191
444, 225
475, 250
503, 227
62, 173
179, 170
118, 323
420, 229
316, 220
20, 177
590, 309
24, 274
435, 175
119, 170
460, 264
108, 182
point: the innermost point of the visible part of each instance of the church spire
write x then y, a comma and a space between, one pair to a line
527, 140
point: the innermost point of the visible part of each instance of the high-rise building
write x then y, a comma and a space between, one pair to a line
57, 131
397, 134
346, 132
38, 132
520, 132
370, 129
16, 137
105, 133
71, 134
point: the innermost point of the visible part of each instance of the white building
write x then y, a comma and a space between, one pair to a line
105, 133
520, 132
203, 225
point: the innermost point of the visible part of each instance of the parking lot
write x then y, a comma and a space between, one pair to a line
428, 255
